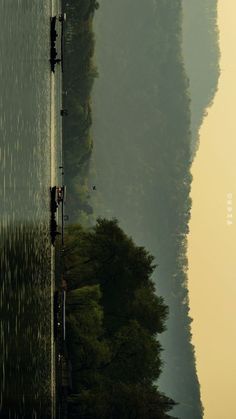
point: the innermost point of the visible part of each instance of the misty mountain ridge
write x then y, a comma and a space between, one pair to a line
148, 104
201, 57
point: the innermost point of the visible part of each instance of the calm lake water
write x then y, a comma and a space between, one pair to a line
29, 157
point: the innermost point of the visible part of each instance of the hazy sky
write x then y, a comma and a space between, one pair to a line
212, 242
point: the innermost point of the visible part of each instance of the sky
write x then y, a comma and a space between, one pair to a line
212, 237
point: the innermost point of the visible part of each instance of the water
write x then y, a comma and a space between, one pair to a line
30, 153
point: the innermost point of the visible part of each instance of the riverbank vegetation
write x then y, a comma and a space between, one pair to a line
78, 78
114, 318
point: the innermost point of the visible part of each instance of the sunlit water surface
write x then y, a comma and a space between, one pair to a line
27, 169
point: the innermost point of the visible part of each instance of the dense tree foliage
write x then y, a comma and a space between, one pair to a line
113, 319
78, 77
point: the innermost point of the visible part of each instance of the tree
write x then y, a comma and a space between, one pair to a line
113, 319
87, 349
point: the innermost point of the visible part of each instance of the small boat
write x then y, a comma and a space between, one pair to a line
53, 202
53, 35
53, 210
53, 31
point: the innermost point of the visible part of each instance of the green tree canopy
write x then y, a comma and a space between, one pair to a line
113, 318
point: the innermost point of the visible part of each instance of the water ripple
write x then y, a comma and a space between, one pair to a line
25, 254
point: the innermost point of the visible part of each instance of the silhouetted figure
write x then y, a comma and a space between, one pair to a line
94, 188
62, 17
64, 112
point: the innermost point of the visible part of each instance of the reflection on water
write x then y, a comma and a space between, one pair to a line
25, 320
25, 173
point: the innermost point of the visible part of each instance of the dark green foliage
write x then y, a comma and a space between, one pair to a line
113, 317
87, 350
149, 309
119, 400
78, 78
136, 355
140, 402
104, 255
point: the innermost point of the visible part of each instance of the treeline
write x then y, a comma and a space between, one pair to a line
78, 77
114, 318
201, 56
143, 161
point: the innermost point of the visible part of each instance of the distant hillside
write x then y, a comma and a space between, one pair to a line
142, 158
78, 77
201, 57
